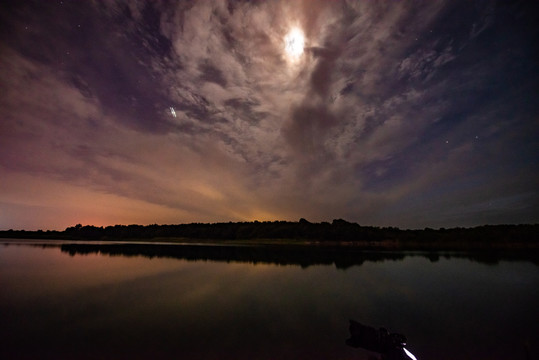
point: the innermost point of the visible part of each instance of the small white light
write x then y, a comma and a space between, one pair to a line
172, 111
410, 355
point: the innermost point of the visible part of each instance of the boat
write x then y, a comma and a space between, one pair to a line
391, 346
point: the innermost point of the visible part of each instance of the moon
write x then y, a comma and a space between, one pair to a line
294, 42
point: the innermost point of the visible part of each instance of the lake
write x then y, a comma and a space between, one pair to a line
65, 300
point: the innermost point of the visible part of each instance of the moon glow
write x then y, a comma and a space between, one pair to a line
294, 43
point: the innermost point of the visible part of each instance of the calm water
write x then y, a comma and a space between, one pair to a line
90, 302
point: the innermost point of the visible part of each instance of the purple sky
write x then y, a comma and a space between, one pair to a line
397, 113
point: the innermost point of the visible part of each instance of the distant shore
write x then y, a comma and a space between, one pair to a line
339, 233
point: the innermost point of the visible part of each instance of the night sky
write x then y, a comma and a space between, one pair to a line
385, 113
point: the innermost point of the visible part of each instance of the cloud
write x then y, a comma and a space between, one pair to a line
384, 106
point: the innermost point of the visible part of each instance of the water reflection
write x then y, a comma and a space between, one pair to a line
304, 256
73, 304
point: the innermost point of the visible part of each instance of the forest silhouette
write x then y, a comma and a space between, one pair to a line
324, 233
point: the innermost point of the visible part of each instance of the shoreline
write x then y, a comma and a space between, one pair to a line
342, 255
381, 245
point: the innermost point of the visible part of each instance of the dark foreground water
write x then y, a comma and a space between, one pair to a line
154, 301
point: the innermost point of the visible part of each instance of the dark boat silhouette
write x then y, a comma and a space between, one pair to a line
391, 346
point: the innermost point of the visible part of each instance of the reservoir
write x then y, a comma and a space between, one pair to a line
66, 300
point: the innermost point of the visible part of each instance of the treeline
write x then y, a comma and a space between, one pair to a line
338, 230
